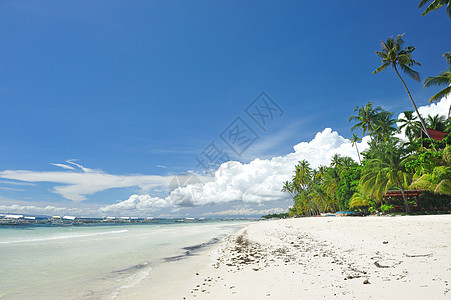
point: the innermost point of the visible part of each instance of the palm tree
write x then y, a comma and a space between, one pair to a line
288, 187
443, 79
355, 139
385, 126
436, 122
359, 199
386, 170
436, 4
393, 54
335, 161
366, 117
304, 180
436, 179
410, 124
438, 182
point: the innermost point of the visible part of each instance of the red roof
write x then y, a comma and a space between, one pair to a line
436, 134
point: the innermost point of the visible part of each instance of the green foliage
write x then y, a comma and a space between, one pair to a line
386, 169
435, 4
278, 216
430, 201
386, 208
348, 185
388, 164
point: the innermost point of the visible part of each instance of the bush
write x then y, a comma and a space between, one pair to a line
431, 201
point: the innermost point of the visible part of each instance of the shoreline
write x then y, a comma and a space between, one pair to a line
349, 257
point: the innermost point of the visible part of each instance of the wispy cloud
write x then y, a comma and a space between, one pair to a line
11, 189
63, 166
17, 183
78, 185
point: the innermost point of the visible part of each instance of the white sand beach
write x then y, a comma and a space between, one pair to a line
319, 258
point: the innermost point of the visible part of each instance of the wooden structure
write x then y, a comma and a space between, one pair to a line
397, 194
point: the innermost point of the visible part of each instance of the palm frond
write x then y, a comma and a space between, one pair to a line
411, 73
422, 3
433, 6
441, 94
381, 68
443, 79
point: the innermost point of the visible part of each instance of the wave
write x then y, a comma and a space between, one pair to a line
63, 237
132, 280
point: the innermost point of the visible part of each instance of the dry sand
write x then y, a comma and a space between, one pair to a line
321, 258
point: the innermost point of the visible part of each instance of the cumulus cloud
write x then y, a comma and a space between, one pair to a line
438, 108
137, 202
261, 180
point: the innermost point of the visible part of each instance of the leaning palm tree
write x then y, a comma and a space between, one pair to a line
393, 54
387, 170
366, 118
355, 139
436, 4
288, 187
411, 126
443, 79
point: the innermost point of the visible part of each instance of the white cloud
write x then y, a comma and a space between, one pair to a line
259, 181
63, 166
77, 185
137, 202
17, 183
437, 108
34, 209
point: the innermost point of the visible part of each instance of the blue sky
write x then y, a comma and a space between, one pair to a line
141, 88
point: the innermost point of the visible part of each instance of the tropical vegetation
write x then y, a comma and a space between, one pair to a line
400, 155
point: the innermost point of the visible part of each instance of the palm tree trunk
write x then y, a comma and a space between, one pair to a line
406, 203
358, 154
413, 102
316, 205
321, 197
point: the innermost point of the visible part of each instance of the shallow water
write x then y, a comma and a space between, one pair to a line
96, 262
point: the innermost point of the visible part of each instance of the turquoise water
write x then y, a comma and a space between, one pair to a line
94, 262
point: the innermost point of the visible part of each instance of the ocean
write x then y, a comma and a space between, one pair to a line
96, 261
